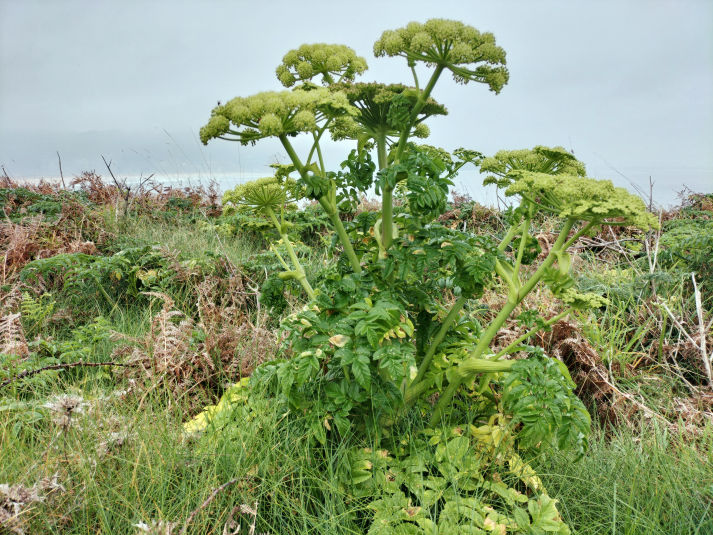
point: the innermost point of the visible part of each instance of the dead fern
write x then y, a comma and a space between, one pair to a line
20, 241
231, 337
12, 334
167, 354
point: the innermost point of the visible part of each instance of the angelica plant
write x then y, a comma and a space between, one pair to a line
377, 338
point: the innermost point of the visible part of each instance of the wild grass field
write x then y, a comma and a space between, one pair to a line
118, 328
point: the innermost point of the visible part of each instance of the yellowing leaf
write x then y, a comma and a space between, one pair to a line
339, 340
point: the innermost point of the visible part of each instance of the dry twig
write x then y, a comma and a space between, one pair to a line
205, 504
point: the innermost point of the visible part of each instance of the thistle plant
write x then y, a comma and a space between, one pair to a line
387, 330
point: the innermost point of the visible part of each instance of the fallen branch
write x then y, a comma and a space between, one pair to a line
30, 373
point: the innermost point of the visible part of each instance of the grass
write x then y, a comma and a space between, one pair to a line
647, 483
644, 482
186, 238
158, 473
125, 461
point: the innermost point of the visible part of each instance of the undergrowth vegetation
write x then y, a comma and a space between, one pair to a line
304, 358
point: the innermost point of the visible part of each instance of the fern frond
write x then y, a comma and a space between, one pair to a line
12, 336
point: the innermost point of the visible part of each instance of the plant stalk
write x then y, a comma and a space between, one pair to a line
531, 332
514, 299
440, 335
299, 270
329, 205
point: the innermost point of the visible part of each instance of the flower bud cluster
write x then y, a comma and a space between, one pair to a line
273, 113
376, 105
582, 199
540, 159
308, 61
469, 54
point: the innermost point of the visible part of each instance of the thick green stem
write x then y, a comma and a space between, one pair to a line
415, 76
330, 207
279, 257
420, 102
293, 155
472, 367
321, 159
317, 136
521, 249
440, 335
381, 150
299, 272
514, 299
508, 238
387, 216
387, 202
531, 332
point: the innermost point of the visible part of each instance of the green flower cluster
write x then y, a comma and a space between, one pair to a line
261, 193
273, 113
308, 61
583, 199
382, 109
467, 53
582, 300
541, 159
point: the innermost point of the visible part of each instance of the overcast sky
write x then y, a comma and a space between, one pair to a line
626, 85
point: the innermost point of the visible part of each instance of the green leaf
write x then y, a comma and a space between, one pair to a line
521, 517
361, 370
545, 516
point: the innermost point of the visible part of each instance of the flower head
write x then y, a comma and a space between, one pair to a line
382, 108
582, 199
582, 301
469, 54
262, 193
540, 159
308, 61
273, 113
64, 407
156, 527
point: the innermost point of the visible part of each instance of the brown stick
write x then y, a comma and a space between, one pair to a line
30, 373
59, 158
205, 504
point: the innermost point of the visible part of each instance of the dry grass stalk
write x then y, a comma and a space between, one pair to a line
12, 336
703, 332
206, 503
